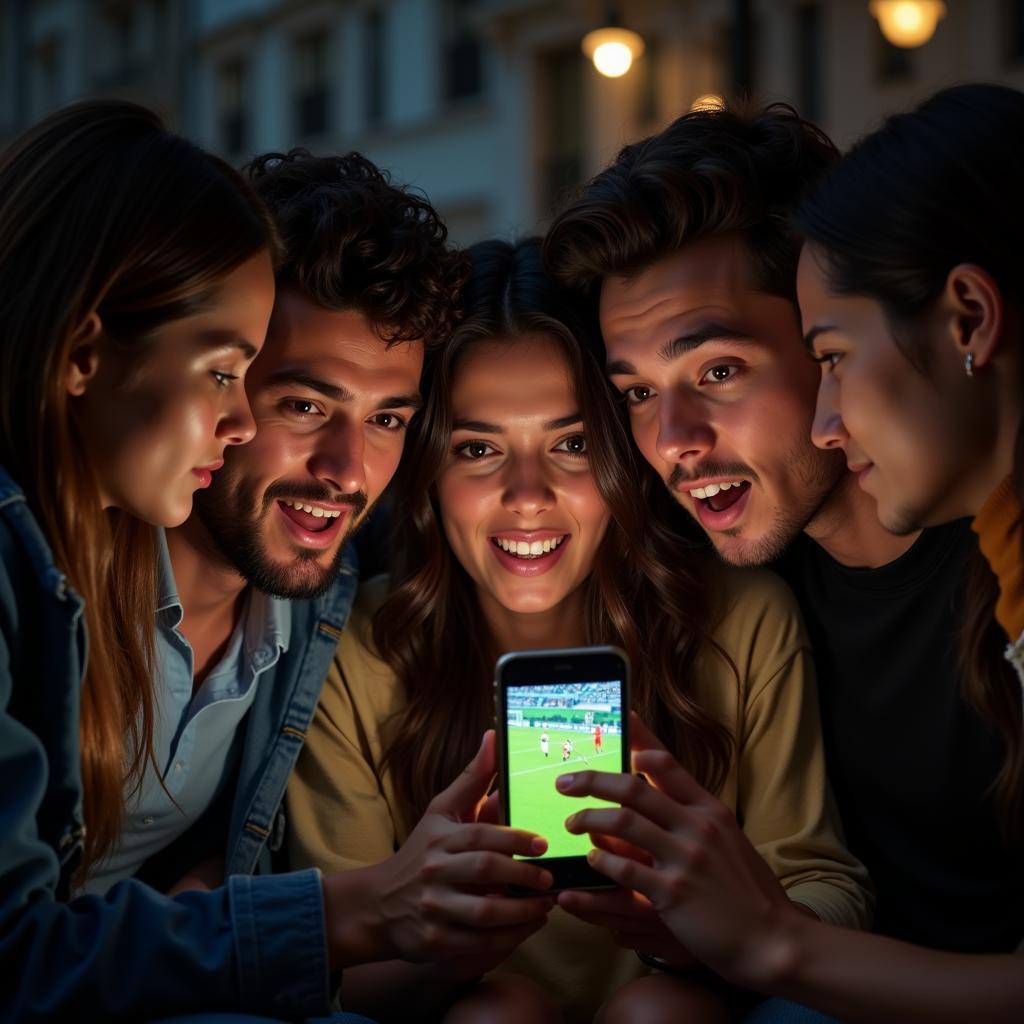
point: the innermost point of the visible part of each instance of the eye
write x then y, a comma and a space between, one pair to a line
223, 379
574, 444
828, 360
300, 408
388, 421
721, 373
637, 394
474, 450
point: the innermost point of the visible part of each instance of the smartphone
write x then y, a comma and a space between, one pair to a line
559, 711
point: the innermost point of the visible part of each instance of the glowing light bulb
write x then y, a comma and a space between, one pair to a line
612, 50
613, 59
908, 23
708, 101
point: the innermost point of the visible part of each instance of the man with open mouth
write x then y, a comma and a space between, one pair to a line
257, 585
686, 242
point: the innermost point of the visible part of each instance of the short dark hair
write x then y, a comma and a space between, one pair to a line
354, 240
709, 173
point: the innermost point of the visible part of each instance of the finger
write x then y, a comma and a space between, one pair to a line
490, 810
490, 869
478, 835
627, 824
472, 784
641, 736
487, 912
619, 846
668, 775
460, 942
627, 873
622, 903
627, 790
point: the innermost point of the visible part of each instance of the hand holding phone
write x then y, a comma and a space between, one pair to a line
559, 711
442, 896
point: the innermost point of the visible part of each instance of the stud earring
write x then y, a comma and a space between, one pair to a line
969, 364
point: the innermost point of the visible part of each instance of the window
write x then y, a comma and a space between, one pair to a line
312, 88
1014, 22
808, 45
375, 81
47, 76
462, 56
648, 109
231, 88
562, 87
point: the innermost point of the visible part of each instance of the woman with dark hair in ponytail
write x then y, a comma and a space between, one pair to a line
911, 289
528, 523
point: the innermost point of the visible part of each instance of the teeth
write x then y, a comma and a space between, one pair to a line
712, 489
531, 549
314, 510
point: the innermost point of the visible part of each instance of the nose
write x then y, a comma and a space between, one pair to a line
684, 430
339, 458
237, 426
526, 491
828, 430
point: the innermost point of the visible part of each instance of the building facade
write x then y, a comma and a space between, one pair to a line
489, 106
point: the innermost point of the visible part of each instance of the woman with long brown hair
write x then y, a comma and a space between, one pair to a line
136, 285
527, 523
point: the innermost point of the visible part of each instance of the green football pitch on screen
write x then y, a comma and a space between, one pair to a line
535, 803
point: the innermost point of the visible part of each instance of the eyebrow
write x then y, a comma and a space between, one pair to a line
482, 427
336, 392
221, 339
681, 345
814, 332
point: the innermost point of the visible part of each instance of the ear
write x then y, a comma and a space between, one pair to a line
84, 358
977, 312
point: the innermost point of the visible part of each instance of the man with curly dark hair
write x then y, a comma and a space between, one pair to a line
367, 284
257, 586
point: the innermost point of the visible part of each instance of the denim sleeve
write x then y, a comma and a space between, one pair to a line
255, 944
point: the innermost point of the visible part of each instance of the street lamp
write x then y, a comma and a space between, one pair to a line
908, 23
613, 48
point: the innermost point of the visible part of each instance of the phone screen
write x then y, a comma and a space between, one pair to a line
554, 726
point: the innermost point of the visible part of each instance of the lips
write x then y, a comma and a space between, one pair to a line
722, 511
309, 530
205, 473
534, 565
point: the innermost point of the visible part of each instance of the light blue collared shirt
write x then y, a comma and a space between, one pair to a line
196, 739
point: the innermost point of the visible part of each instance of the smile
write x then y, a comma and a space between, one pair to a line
528, 549
529, 553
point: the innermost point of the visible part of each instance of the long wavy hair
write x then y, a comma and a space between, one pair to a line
648, 591
929, 190
103, 211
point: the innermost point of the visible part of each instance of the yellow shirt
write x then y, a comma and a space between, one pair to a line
998, 526
343, 811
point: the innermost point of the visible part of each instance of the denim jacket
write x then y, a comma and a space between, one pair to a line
257, 943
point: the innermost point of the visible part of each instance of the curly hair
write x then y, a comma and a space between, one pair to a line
354, 240
709, 173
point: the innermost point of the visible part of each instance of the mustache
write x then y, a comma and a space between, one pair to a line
677, 477
307, 491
